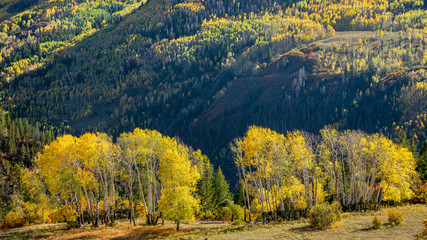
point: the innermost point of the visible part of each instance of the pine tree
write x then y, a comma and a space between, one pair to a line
422, 162
403, 140
222, 195
205, 190
238, 198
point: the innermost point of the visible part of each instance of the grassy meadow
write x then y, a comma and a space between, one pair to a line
353, 226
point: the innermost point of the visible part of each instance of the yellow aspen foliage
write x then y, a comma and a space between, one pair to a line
57, 166
396, 170
65, 214
178, 180
139, 208
297, 195
26, 213
279, 168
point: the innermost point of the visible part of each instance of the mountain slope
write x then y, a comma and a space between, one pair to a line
206, 70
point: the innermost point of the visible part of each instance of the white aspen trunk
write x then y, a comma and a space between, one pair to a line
106, 202
113, 200
89, 206
142, 194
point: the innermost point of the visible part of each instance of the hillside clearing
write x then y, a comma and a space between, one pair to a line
353, 226
353, 36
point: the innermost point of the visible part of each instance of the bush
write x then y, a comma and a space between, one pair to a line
112, 224
377, 223
423, 234
258, 217
395, 217
237, 212
208, 215
238, 222
324, 215
14, 219
225, 213
26, 213
65, 214
75, 224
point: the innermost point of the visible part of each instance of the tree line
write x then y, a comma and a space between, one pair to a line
92, 179
144, 174
285, 175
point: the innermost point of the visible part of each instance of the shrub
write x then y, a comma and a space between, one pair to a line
238, 222
377, 223
208, 215
14, 219
258, 217
26, 213
423, 234
74, 224
139, 210
65, 214
237, 212
395, 217
324, 215
112, 224
225, 213
422, 193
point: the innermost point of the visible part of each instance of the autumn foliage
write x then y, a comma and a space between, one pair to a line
150, 176
324, 215
77, 179
286, 174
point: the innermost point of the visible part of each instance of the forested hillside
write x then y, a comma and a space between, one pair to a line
19, 142
206, 70
302, 106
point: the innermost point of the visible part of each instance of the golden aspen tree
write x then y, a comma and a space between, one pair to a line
365, 169
97, 152
58, 165
141, 152
278, 169
178, 178
396, 170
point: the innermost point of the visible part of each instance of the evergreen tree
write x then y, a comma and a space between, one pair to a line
422, 162
205, 190
222, 195
410, 144
238, 198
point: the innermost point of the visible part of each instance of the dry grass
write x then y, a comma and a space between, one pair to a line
353, 36
353, 226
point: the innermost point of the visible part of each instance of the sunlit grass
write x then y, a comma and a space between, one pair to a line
353, 226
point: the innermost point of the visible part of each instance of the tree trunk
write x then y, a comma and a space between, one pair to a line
80, 211
88, 207
106, 207
97, 210
131, 208
113, 200
142, 195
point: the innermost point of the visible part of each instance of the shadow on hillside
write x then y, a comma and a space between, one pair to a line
20, 6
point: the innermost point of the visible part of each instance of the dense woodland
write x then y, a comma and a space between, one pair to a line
143, 174
203, 71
